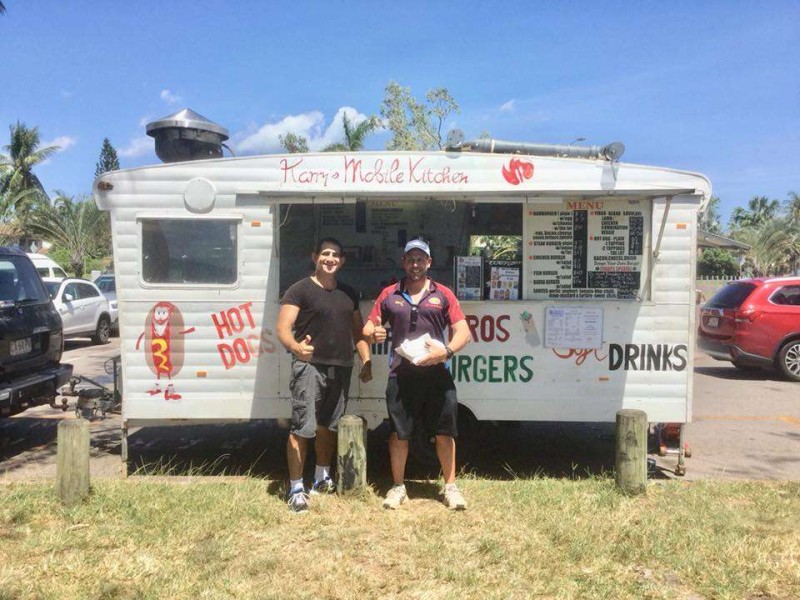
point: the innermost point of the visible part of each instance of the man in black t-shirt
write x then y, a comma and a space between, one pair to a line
319, 322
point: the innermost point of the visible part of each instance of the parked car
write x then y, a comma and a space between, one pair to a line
47, 267
31, 339
108, 285
83, 308
754, 323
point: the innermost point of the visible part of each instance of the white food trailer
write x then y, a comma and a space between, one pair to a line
597, 314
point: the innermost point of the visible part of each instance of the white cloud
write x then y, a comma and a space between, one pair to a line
508, 106
311, 125
169, 97
137, 147
63, 142
144, 121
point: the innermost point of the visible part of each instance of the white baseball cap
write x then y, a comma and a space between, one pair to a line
418, 245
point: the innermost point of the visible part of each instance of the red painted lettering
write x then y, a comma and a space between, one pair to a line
227, 355
472, 323
221, 323
502, 332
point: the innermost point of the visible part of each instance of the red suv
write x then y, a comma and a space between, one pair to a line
754, 323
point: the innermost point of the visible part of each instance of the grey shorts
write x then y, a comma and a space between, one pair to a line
319, 396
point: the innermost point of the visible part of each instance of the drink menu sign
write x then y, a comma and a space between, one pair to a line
586, 249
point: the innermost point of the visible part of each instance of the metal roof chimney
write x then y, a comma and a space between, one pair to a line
187, 135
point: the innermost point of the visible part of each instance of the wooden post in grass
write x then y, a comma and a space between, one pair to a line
351, 460
72, 461
631, 452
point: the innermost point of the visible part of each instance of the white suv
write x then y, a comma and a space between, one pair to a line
84, 310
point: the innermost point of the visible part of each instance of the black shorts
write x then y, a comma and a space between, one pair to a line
422, 397
319, 396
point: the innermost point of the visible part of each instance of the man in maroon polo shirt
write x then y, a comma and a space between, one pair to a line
420, 393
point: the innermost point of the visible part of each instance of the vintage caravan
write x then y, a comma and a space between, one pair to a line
591, 310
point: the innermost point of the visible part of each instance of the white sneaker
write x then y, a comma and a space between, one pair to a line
395, 497
453, 498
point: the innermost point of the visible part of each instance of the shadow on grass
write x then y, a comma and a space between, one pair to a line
501, 451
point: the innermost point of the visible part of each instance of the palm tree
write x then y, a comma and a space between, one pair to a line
77, 226
759, 211
774, 247
18, 183
708, 219
354, 136
2, 8
793, 207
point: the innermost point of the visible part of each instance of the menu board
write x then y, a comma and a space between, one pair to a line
586, 250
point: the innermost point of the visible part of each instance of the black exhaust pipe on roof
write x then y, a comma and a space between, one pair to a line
187, 135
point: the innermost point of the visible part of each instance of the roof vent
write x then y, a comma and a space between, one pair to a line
187, 135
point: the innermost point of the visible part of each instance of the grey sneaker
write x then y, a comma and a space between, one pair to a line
298, 501
326, 486
453, 498
395, 497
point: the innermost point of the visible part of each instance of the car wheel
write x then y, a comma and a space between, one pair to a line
103, 331
789, 360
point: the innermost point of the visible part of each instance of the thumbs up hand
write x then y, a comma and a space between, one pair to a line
379, 334
304, 350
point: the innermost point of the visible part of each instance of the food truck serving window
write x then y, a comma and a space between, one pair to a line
189, 251
484, 248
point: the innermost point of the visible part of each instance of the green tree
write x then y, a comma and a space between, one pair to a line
715, 262
108, 159
354, 136
793, 207
708, 219
760, 210
416, 125
774, 247
19, 185
76, 226
294, 144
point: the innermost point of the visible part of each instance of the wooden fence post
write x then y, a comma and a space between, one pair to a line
72, 461
631, 451
352, 455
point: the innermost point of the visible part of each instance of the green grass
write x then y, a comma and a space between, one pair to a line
547, 538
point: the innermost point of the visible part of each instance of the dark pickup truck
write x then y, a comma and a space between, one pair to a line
31, 339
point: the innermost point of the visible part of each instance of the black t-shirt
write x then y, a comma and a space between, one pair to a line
327, 316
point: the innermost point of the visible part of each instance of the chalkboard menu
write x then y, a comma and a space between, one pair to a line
586, 249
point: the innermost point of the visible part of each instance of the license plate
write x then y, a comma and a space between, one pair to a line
713, 321
22, 346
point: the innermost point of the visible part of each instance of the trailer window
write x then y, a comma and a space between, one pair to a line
189, 251
374, 232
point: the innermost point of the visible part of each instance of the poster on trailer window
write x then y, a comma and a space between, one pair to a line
503, 279
468, 277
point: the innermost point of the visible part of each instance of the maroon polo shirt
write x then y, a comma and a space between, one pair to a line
437, 310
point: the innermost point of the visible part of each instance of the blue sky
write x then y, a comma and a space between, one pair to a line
712, 87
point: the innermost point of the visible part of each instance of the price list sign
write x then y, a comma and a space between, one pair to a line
586, 250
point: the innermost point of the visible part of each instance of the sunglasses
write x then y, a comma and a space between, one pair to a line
414, 315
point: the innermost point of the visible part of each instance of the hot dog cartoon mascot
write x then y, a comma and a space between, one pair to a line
164, 345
